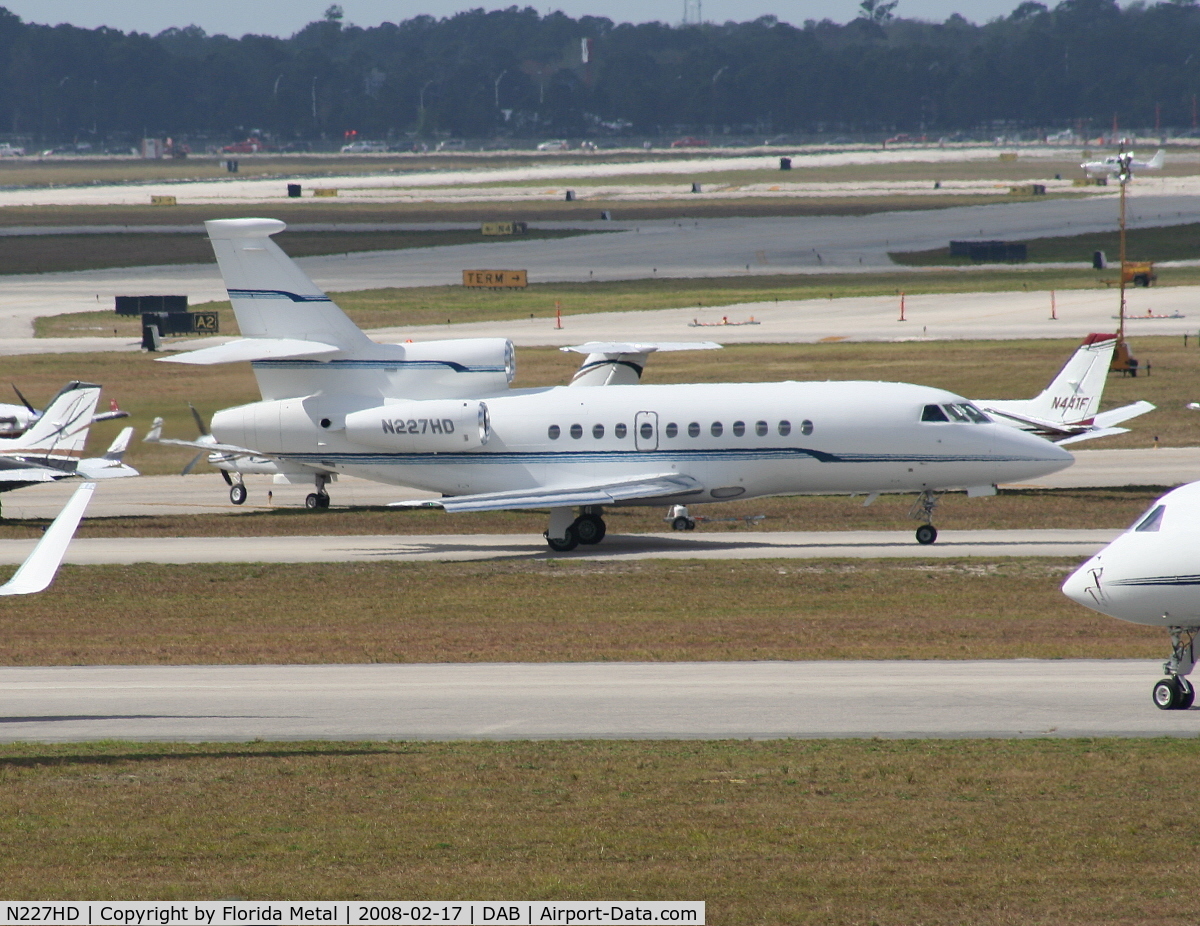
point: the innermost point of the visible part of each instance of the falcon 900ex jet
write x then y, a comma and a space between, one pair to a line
441, 416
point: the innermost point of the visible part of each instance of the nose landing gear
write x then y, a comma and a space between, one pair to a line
1175, 692
922, 510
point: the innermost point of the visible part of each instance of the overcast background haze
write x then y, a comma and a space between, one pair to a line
270, 17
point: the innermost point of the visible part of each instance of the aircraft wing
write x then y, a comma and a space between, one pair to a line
40, 567
30, 473
654, 486
155, 437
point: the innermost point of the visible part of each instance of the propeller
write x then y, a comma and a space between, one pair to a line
203, 429
24, 401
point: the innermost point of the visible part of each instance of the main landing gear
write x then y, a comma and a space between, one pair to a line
319, 498
922, 510
565, 533
1175, 692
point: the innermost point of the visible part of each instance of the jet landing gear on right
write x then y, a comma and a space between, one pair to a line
1175, 692
923, 510
565, 533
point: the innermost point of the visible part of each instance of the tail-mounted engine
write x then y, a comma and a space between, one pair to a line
429, 426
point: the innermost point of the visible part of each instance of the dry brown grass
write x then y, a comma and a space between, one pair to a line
832, 832
562, 610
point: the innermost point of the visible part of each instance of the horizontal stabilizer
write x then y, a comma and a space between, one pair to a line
1092, 435
255, 349
1124, 413
40, 567
659, 486
1041, 424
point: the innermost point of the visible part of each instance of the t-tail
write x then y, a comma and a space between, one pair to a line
301, 343
58, 436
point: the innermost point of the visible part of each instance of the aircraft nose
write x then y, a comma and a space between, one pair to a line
1076, 585
1043, 456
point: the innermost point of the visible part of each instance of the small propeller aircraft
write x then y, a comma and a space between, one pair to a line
1119, 164
1068, 410
1150, 575
52, 448
441, 416
16, 419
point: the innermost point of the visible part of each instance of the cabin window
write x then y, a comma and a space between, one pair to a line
694, 429
933, 413
1152, 521
553, 431
620, 430
597, 431
785, 428
806, 427
739, 428
761, 428
647, 430
577, 431
716, 429
672, 429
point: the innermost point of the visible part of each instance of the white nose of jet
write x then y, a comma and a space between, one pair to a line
1039, 456
1077, 585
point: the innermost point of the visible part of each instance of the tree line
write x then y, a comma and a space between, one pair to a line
513, 72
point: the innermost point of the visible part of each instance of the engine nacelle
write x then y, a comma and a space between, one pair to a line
429, 426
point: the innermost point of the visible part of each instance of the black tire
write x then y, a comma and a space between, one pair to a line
1187, 694
322, 500
682, 524
1166, 694
237, 494
691, 525
926, 534
590, 528
312, 500
567, 544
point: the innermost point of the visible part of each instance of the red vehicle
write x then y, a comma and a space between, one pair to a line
690, 142
249, 146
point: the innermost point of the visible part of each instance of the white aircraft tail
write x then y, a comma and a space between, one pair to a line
272, 297
111, 465
1157, 161
62, 430
1074, 394
40, 567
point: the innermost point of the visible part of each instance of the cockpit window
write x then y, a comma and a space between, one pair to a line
1152, 521
974, 413
933, 413
955, 411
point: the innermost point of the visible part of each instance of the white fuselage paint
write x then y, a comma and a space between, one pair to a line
1151, 573
864, 437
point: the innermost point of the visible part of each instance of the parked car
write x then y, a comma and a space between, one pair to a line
8, 151
690, 142
555, 144
451, 144
364, 147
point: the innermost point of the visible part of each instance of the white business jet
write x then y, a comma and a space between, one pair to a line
1068, 410
1116, 164
1150, 575
441, 416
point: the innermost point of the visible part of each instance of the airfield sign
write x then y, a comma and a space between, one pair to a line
496, 279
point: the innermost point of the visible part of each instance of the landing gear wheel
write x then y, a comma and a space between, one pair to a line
316, 500
926, 534
1166, 694
237, 494
1187, 693
683, 524
589, 528
568, 543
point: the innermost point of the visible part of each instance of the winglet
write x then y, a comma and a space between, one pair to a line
40, 567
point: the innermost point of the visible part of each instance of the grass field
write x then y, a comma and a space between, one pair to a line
831, 832
984, 370
570, 611
1176, 242
59, 253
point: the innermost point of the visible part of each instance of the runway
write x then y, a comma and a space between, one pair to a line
756, 700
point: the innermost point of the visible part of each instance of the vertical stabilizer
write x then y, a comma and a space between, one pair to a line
1074, 394
271, 296
62, 430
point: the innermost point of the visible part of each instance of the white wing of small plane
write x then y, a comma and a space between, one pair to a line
154, 436
40, 567
1112, 164
111, 465
620, 363
665, 485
